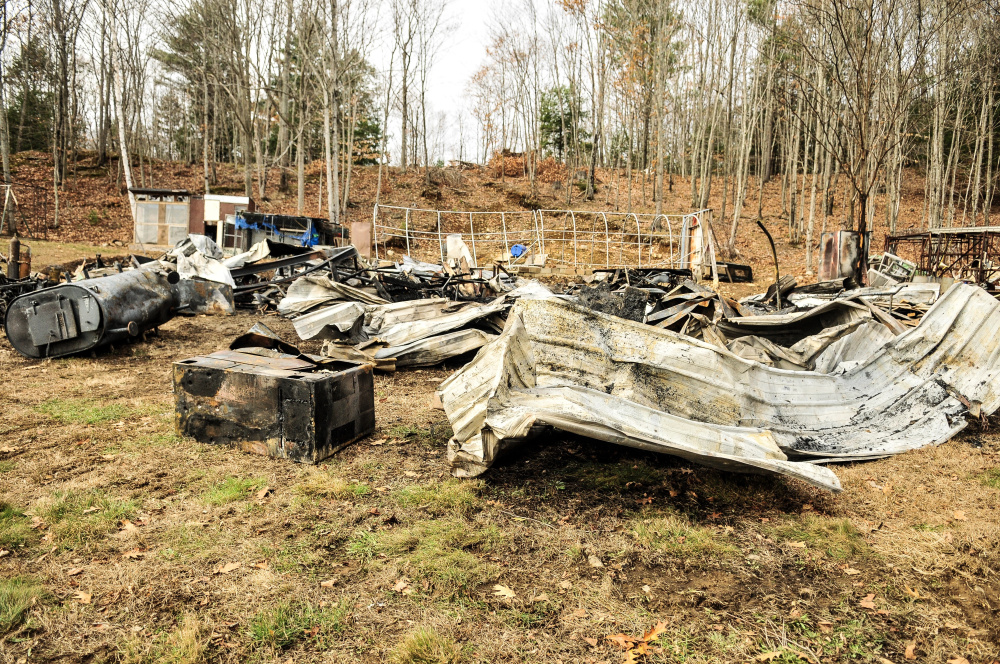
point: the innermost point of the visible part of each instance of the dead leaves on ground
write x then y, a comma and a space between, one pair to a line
504, 592
227, 568
868, 602
636, 647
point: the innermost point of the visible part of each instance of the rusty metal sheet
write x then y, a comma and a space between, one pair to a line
839, 253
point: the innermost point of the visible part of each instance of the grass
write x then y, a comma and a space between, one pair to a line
675, 535
17, 595
53, 253
991, 478
7, 466
856, 639
298, 555
363, 546
136, 445
325, 485
75, 517
435, 436
282, 625
187, 644
445, 553
534, 615
231, 490
425, 645
83, 411
15, 528
451, 496
837, 537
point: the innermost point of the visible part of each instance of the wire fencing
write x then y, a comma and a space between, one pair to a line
571, 238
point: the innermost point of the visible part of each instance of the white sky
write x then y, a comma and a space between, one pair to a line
461, 55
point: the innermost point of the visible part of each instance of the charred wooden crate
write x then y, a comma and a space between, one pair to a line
285, 407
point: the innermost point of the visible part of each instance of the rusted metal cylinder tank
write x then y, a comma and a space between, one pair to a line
71, 318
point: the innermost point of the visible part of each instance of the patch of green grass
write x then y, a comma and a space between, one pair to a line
837, 537
991, 478
614, 477
425, 645
7, 466
284, 624
446, 553
363, 545
186, 644
15, 528
76, 516
17, 595
231, 489
298, 555
84, 411
451, 496
675, 535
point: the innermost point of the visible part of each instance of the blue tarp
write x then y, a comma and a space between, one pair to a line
308, 239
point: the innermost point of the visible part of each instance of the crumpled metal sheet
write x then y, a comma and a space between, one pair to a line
788, 329
434, 350
200, 265
914, 391
847, 351
197, 243
400, 323
802, 355
341, 316
313, 290
257, 252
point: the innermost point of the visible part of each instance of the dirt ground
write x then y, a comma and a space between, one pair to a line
126, 543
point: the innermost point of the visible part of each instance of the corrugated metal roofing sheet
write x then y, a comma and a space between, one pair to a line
557, 364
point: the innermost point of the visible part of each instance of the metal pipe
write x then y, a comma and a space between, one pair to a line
14, 259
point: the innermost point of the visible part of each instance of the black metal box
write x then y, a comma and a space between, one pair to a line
285, 407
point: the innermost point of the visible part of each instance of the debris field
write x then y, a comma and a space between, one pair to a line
628, 465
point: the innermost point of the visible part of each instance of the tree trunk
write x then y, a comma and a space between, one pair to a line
116, 70
204, 132
4, 133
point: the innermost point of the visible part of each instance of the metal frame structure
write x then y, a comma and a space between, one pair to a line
961, 253
577, 238
20, 209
